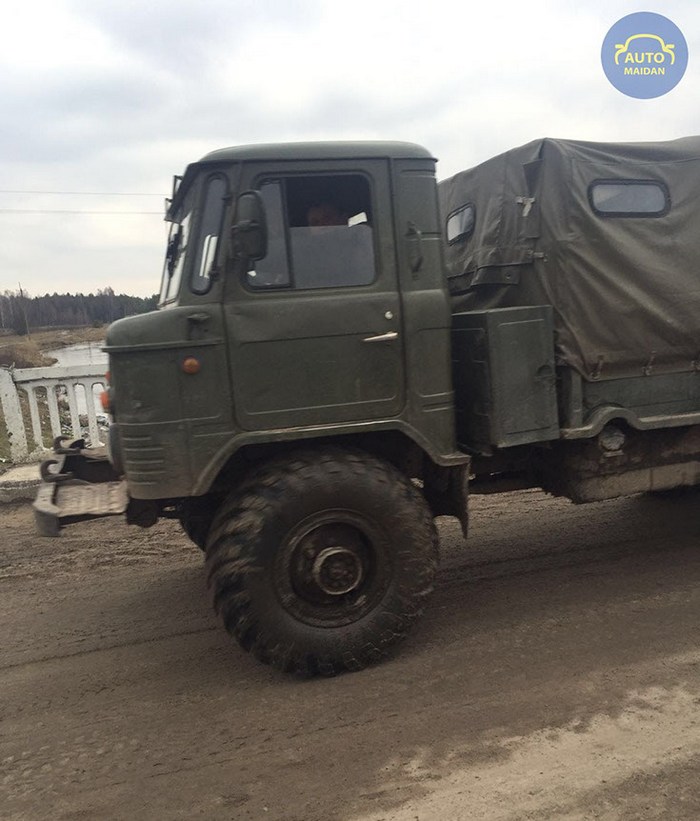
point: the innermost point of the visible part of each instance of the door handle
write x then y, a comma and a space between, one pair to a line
198, 318
387, 337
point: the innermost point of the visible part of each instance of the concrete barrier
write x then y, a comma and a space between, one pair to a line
54, 399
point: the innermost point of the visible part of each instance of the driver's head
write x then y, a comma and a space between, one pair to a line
325, 213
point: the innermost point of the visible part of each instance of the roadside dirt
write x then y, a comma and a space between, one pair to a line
556, 674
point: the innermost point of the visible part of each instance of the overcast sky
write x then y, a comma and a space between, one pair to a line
110, 98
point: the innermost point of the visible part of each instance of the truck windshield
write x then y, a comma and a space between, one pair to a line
195, 227
176, 251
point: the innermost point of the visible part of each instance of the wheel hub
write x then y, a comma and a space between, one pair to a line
337, 570
332, 569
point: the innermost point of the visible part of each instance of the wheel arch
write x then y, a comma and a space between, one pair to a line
445, 487
401, 446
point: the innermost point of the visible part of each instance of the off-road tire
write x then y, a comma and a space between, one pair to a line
322, 560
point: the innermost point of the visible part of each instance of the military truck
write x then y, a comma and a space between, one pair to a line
345, 349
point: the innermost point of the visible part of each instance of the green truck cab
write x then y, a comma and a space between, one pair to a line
343, 349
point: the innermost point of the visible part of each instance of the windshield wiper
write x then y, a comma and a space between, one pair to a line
174, 249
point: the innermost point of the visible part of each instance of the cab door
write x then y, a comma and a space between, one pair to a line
314, 327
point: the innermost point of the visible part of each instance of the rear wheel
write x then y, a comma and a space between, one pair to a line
322, 561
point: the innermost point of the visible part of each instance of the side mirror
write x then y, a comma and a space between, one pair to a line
249, 232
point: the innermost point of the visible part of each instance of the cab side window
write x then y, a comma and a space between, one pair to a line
319, 233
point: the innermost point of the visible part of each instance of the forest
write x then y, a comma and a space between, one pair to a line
20, 312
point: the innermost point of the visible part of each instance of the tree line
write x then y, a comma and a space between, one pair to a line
20, 312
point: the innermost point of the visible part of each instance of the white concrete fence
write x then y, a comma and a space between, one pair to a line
55, 398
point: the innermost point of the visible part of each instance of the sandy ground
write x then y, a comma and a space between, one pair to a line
556, 674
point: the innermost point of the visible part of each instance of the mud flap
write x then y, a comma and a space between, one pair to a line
447, 491
459, 491
77, 484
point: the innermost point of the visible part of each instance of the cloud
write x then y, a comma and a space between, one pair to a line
116, 96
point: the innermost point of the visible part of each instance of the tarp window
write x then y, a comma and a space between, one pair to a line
460, 223
629, 198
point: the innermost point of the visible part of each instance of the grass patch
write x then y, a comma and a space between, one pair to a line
27, 351
24, 354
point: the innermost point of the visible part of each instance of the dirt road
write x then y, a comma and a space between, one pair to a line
556, 674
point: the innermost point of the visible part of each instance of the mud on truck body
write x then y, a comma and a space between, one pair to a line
312, 393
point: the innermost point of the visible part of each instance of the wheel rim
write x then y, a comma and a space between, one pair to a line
332, 569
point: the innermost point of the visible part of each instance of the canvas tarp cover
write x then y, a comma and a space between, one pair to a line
625, 289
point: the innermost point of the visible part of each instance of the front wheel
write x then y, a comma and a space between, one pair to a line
322, 560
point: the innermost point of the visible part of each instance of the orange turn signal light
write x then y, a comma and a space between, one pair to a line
106, 401
191, 365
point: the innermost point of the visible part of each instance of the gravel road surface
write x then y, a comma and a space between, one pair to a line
555, 674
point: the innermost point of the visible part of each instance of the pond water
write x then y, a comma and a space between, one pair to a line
86, 353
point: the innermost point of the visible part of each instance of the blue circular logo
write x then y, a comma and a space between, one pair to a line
644, 55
